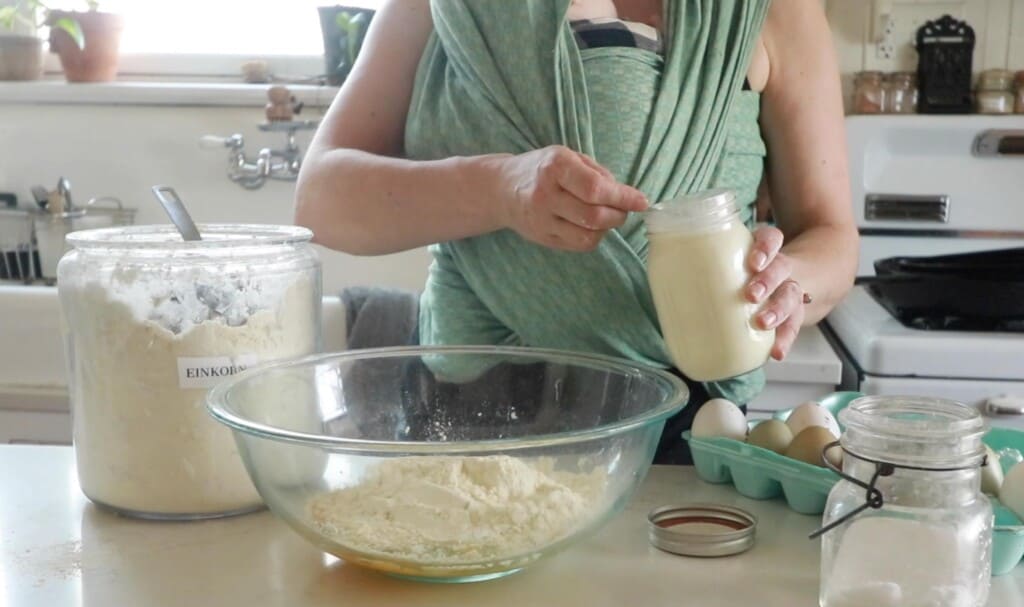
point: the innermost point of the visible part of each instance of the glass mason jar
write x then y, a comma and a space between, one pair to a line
1018, 83
929, 540
868, 93
151, 322
901, 93
995, 92
697, 270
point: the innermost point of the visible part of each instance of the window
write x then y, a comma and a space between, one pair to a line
213, 37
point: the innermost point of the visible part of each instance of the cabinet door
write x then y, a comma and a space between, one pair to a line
35, 428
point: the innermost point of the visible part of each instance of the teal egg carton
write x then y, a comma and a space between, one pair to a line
762, 474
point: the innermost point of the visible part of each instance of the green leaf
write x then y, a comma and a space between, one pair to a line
72, 28
93, 4
7, 16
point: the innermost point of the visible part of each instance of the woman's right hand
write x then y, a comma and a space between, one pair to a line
562, 199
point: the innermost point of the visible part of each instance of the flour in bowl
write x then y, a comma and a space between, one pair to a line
448, 510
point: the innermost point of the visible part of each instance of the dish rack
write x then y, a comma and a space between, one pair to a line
32, 242
19, 259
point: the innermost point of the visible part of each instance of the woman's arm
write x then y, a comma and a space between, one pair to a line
359, 196
802, 121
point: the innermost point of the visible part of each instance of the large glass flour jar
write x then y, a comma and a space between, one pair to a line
151, 323
911, 524
697, 269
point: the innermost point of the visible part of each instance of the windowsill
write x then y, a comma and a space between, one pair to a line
60, 92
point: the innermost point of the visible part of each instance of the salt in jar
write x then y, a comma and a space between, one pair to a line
908, 524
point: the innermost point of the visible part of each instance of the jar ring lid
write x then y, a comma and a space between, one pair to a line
704, 530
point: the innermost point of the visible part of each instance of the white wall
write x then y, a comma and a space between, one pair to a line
124, 150
858, 29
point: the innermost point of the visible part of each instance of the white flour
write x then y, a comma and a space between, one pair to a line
144, 354
891, 562
450, 510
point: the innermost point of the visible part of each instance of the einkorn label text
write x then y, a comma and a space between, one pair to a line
206, 372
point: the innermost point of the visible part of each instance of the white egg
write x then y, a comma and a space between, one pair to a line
991, 473
1012, 492
812, 414
720, 418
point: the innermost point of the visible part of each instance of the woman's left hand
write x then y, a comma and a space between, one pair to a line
771, 284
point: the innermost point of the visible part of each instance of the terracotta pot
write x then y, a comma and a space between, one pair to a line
21, 58
97, 62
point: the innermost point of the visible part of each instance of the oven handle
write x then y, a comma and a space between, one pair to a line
1005, 405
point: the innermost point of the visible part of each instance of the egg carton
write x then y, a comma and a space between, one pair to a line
762, 474
1008, 537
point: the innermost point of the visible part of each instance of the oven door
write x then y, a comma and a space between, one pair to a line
1001, 402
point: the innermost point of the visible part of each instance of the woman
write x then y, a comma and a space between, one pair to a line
489, 128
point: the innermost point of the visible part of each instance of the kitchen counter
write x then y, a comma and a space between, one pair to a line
57, 549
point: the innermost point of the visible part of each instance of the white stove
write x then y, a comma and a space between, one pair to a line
924, 186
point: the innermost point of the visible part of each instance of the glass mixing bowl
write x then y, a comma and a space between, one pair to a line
447, 464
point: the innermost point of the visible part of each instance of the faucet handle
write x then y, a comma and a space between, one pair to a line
210, 142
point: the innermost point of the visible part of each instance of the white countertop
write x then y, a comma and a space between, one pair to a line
56, 550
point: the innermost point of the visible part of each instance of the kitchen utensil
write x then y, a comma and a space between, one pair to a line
18, 257
176, 210
311, 427
64, 189
105, 212
41, 196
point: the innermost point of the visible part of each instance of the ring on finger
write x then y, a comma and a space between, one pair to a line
806, 297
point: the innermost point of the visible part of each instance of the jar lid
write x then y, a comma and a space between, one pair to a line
995, 80
908, 77
704, 530
869, 75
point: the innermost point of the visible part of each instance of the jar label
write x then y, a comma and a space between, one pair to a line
206, 372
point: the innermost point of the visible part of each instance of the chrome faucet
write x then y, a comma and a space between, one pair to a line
280, 164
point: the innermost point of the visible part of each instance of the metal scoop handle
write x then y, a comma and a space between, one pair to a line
177, 212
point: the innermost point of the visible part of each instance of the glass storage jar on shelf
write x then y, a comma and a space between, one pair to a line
900, 93
868, 93
995, 92
151, 322
908, 524
1019, 87
697, 270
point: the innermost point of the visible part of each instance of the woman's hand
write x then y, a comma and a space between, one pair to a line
772, 285
562, 199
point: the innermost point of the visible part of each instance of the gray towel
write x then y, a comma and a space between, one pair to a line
377, 317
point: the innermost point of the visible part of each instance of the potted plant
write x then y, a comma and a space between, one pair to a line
343, 28
92, 55
21, 50
87, 42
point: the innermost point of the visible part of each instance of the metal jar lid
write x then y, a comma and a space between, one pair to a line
705, 530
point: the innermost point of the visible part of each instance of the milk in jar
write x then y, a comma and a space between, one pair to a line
697, 271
